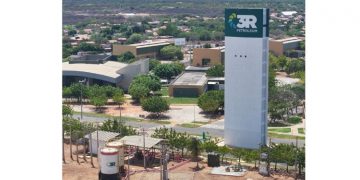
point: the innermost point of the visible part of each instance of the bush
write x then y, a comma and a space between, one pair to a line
294, 119
171, 52
155, 105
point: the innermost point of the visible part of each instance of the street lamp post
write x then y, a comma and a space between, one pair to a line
81, 94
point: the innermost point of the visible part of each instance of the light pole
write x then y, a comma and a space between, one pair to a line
81, 104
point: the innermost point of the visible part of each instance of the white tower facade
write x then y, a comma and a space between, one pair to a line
246, 74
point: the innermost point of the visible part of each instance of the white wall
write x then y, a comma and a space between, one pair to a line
245, 91
94, 146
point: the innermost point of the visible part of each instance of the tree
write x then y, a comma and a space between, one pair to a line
181, 141
300, 158
155, 104
171, 52
167, 70
216, 71
223, 150
209, 145
275, 154
77, 88
126, 57
66, 92
87, 47
207, 45
72, 32
135, 38
195, 148
170, 30
118, 98
238, 153
150, 81
153, 63
138, 91
98, 101
295, 65
281, 100
211, 101
118, 126
282, 61
67, 111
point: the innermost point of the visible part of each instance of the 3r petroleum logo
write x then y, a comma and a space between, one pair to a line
243, 23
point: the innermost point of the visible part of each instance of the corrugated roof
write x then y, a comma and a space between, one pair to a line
103, 135
138, 141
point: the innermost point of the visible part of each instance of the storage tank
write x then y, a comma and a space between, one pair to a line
120, 147
109, 167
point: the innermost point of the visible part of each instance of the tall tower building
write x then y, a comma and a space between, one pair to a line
246, 74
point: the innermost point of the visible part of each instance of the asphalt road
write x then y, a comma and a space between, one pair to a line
212, 132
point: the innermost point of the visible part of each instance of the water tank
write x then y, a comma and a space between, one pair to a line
120, 147
109, 160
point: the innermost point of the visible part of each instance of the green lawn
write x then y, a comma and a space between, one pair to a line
284, 136
190, 125
282, 130
181, 100
122, 117
301, 130
164, 91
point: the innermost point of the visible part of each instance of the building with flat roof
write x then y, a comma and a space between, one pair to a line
96, 69
208, 56
281, 46
141, 50
188, 84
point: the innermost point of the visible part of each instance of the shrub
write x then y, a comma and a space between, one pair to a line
294, 119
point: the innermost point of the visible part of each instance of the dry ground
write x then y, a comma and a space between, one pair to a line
84, 171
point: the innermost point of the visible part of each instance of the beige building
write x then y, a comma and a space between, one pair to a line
208, 56
188, 84
279, 47
141, 50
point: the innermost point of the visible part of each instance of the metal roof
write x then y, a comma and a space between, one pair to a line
191, 78
103, 135
106, 71
138, 141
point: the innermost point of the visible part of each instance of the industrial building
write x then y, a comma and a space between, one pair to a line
141, 50
208, 56
188, 84
281, 46
246, 72
98, 69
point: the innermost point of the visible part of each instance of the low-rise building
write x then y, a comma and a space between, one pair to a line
208, 56
188, 84
281, 46
141, 50
98, 69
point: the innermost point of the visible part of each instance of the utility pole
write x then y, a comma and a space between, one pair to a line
163, 160
63, 148
143, 133
81, 94
77, 150
97, 137
194, 113
91, 155
71, 155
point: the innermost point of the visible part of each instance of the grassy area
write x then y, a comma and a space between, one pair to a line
301, 130
122, 117
282, 130
158, 121
190, 125
164, 91
181, 100
284, 136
